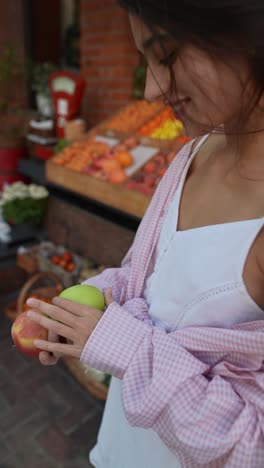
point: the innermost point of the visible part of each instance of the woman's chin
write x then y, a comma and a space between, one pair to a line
193, 130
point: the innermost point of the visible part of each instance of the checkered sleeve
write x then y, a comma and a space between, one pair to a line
114, 278
201, 416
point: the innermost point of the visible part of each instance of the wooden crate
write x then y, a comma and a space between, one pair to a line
116, 196
131, 202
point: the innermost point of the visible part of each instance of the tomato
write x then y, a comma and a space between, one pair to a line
67, 256
55, 260
63, 263
70, 267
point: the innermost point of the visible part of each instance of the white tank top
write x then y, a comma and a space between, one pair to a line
191, 268
199, 266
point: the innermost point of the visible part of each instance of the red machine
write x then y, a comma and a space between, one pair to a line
67, 90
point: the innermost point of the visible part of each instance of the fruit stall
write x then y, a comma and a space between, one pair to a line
120, 162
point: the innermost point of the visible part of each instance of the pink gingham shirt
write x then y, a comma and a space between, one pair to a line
199, 388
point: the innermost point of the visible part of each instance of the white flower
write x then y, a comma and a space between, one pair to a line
21, 193
14, 191
7, 197
19, 190
37, 191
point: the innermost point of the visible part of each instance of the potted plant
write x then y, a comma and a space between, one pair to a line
40, 86
14, 119
23, 203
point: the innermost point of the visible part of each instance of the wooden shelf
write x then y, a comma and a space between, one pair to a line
115, 196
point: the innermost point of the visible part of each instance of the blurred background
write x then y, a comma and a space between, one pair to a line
81, 154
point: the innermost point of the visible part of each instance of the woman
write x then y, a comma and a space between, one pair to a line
183, 331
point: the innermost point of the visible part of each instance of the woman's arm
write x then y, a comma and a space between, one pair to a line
200, 412
114, 278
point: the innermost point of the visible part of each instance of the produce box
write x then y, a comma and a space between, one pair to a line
66, 265
108, 164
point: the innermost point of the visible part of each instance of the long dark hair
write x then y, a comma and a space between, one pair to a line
220, 27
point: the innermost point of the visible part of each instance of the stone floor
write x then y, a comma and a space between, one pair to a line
46, 419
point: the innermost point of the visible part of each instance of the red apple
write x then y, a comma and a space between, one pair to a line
24, 331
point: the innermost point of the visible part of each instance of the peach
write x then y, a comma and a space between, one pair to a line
117, 177
24, 331
110, 165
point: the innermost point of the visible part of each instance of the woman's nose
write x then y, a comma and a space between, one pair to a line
156, 85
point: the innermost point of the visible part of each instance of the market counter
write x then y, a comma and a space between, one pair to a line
115, 196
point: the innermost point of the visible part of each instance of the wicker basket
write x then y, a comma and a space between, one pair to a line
30, 287
28, 262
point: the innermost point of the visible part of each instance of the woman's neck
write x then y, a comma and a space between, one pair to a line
247, 148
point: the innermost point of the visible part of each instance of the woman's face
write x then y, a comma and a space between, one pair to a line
209, 92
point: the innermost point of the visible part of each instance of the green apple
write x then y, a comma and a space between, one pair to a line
86, 295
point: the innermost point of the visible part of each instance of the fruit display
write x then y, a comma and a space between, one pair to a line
56, 259
133, 116
24, 331
80, 154
64, 261
86, 295
164, 126
127, 153
148, 177
113, 164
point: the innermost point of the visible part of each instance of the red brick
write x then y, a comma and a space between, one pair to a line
108, 58
12, 32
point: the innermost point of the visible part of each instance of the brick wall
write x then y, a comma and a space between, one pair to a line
109, 58
11, 14
12, 32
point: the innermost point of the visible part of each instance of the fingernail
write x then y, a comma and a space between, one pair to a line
32, 314
31, 302
37, 343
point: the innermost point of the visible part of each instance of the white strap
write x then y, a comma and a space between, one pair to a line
201, 142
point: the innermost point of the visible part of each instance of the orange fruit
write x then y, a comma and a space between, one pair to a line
117, 177
124, 158
110, 165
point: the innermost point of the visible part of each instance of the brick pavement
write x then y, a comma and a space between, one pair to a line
46, 419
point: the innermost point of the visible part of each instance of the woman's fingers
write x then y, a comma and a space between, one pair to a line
47, 359
50, 359
51, 325
56, 313
63, 349
72, 307
108, 297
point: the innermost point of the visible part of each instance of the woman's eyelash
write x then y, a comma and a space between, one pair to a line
168, 60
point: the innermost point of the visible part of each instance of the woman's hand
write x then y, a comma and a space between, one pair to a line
50, 359
67, 319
